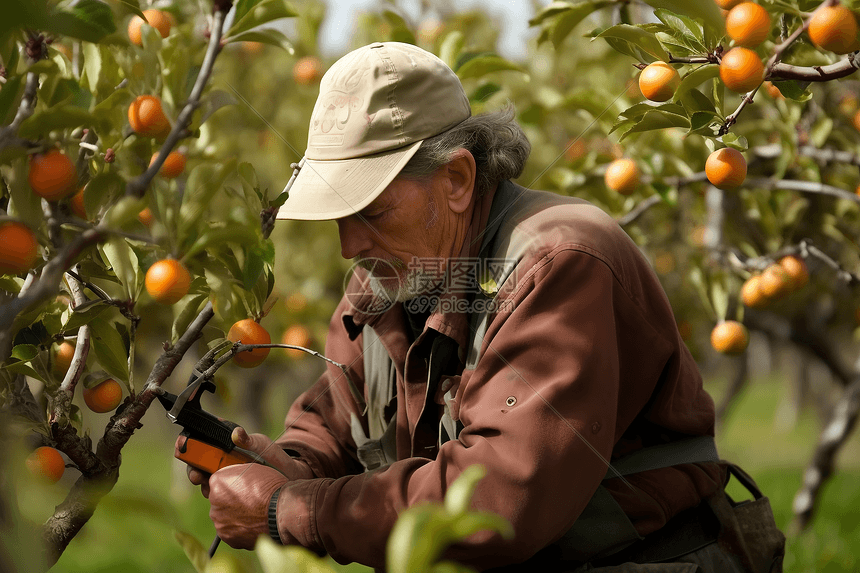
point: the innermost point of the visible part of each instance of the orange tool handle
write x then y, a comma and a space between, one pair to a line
208, 458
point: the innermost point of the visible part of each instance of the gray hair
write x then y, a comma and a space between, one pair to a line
496, 141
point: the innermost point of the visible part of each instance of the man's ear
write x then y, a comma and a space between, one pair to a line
460, 172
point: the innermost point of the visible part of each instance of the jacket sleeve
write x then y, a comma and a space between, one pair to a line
317, 426
540, 413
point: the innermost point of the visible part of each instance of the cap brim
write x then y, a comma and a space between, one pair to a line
331, 189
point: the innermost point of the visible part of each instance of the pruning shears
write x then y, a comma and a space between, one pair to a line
208, 445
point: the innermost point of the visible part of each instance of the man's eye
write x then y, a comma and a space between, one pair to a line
372, 216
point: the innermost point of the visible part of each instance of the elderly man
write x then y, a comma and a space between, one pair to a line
484, 324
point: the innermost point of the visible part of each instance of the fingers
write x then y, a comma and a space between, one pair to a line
200, 478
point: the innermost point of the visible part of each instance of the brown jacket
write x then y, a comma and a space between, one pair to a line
585, 340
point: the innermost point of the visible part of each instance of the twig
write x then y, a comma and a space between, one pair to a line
62, 400
138, 186
843, 275
639, 210
802, 186
773, 150
843, 68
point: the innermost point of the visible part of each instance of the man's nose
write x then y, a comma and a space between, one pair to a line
354, 236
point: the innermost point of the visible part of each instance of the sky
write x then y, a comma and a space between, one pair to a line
514, 15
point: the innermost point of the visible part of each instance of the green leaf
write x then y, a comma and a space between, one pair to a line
657, 120
72, 320
696, 78
720, 298
188, 309
122, 259
637, 37
194, 550
484, 92
25, 352
793, 89
110, 348
460, 492
87, 20
695, 101
11, 284
92, 64
684, 28
213, 101
554, 9
250, 14
122, 212
254, 265
470, 523
27, 370
487, 64
701, 119
50, 119
734, 141
204, 182
452, 45
290, 559
103, 189
708, 12
271, 33
561, 28
213, 237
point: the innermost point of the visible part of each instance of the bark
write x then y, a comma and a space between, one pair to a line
820, 468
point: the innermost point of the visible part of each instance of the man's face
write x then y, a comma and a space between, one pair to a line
405, 225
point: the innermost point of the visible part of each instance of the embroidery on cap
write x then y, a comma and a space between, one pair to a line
335, 108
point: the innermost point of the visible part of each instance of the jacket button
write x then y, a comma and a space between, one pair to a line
511, 400
595, 427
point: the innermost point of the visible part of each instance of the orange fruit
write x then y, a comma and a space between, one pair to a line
727, 4
77, 204
146, 117
658, 81
307, 70
52, 175
19, 249
575, 150
726, 168
63, 354
856, 121
834, 28
103, 397
159, 20
167, 281
622, 176
173, 166
797, 271
247, 331
751, 293
776, 283
296, 302
773, 91
146, 217
46, 463
297, 335
748, 24
730, 337
741, 70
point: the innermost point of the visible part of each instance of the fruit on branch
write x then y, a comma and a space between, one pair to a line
19, 248
104, 397
167, 281
748, 24
797, 271
307, 70
751, 293
622, 176
856, 121
62, 358
146, 117
741, 70
727, 4
46, 463
76, 203
52, 175
776, 283
297, 335
773, 91
834, 28
730, 337
173, 166
726, 168
146, 217
247, 331
658, 81
159, 20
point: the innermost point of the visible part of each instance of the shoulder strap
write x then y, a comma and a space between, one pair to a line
377, 447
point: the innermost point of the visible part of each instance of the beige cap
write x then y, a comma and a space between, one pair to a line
376, 105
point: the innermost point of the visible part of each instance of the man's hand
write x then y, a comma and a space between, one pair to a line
259, 444
239, 501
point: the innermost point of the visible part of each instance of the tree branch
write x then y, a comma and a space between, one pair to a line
840, 69
802, 186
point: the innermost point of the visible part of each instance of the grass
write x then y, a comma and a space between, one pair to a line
132, 529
